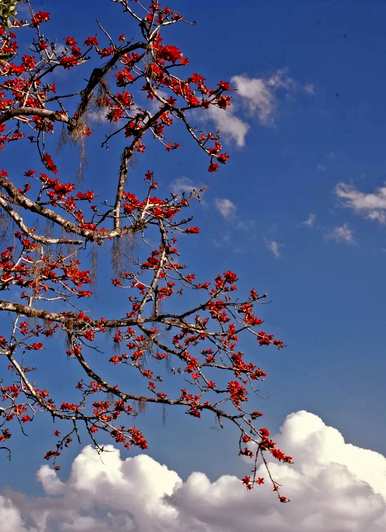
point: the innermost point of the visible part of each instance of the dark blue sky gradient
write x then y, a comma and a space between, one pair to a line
327, 299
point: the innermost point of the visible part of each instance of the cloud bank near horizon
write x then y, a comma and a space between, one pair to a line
334, 486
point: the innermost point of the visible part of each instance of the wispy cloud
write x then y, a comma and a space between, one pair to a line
259, 93
371, 205
310, 220
341, 233
333, 486
225, 207
274, 247
309, 88
184, 185
98, 116
259, 96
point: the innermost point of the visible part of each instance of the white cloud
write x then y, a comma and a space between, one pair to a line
274, 247
184, 185
229, 125
310, 220
309, 88
334, 487
259, 93
10, 517
225, 207
259, 96
371, 205
98, 116
342, 233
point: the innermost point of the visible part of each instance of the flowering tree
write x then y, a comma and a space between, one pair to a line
45, 272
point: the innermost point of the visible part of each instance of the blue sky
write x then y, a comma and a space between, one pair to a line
274, 214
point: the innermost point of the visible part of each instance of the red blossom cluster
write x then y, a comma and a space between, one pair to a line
45, 266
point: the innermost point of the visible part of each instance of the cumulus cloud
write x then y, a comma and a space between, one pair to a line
11, 517
342, 233
334, 486
274, 247
371, 205
225, 207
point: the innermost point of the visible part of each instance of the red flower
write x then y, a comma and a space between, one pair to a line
247, 481
39, 17
89, 334
237, 392
104, 52
223, 158
68, 61
224, 85
91, 41
230, 277
192, 230
263, 338
29, 62
69, 406
264, 432
43, 45
89, 196
223, 101
171, 53
124, 77
138, 438
49, 163
36, 346
70, 41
